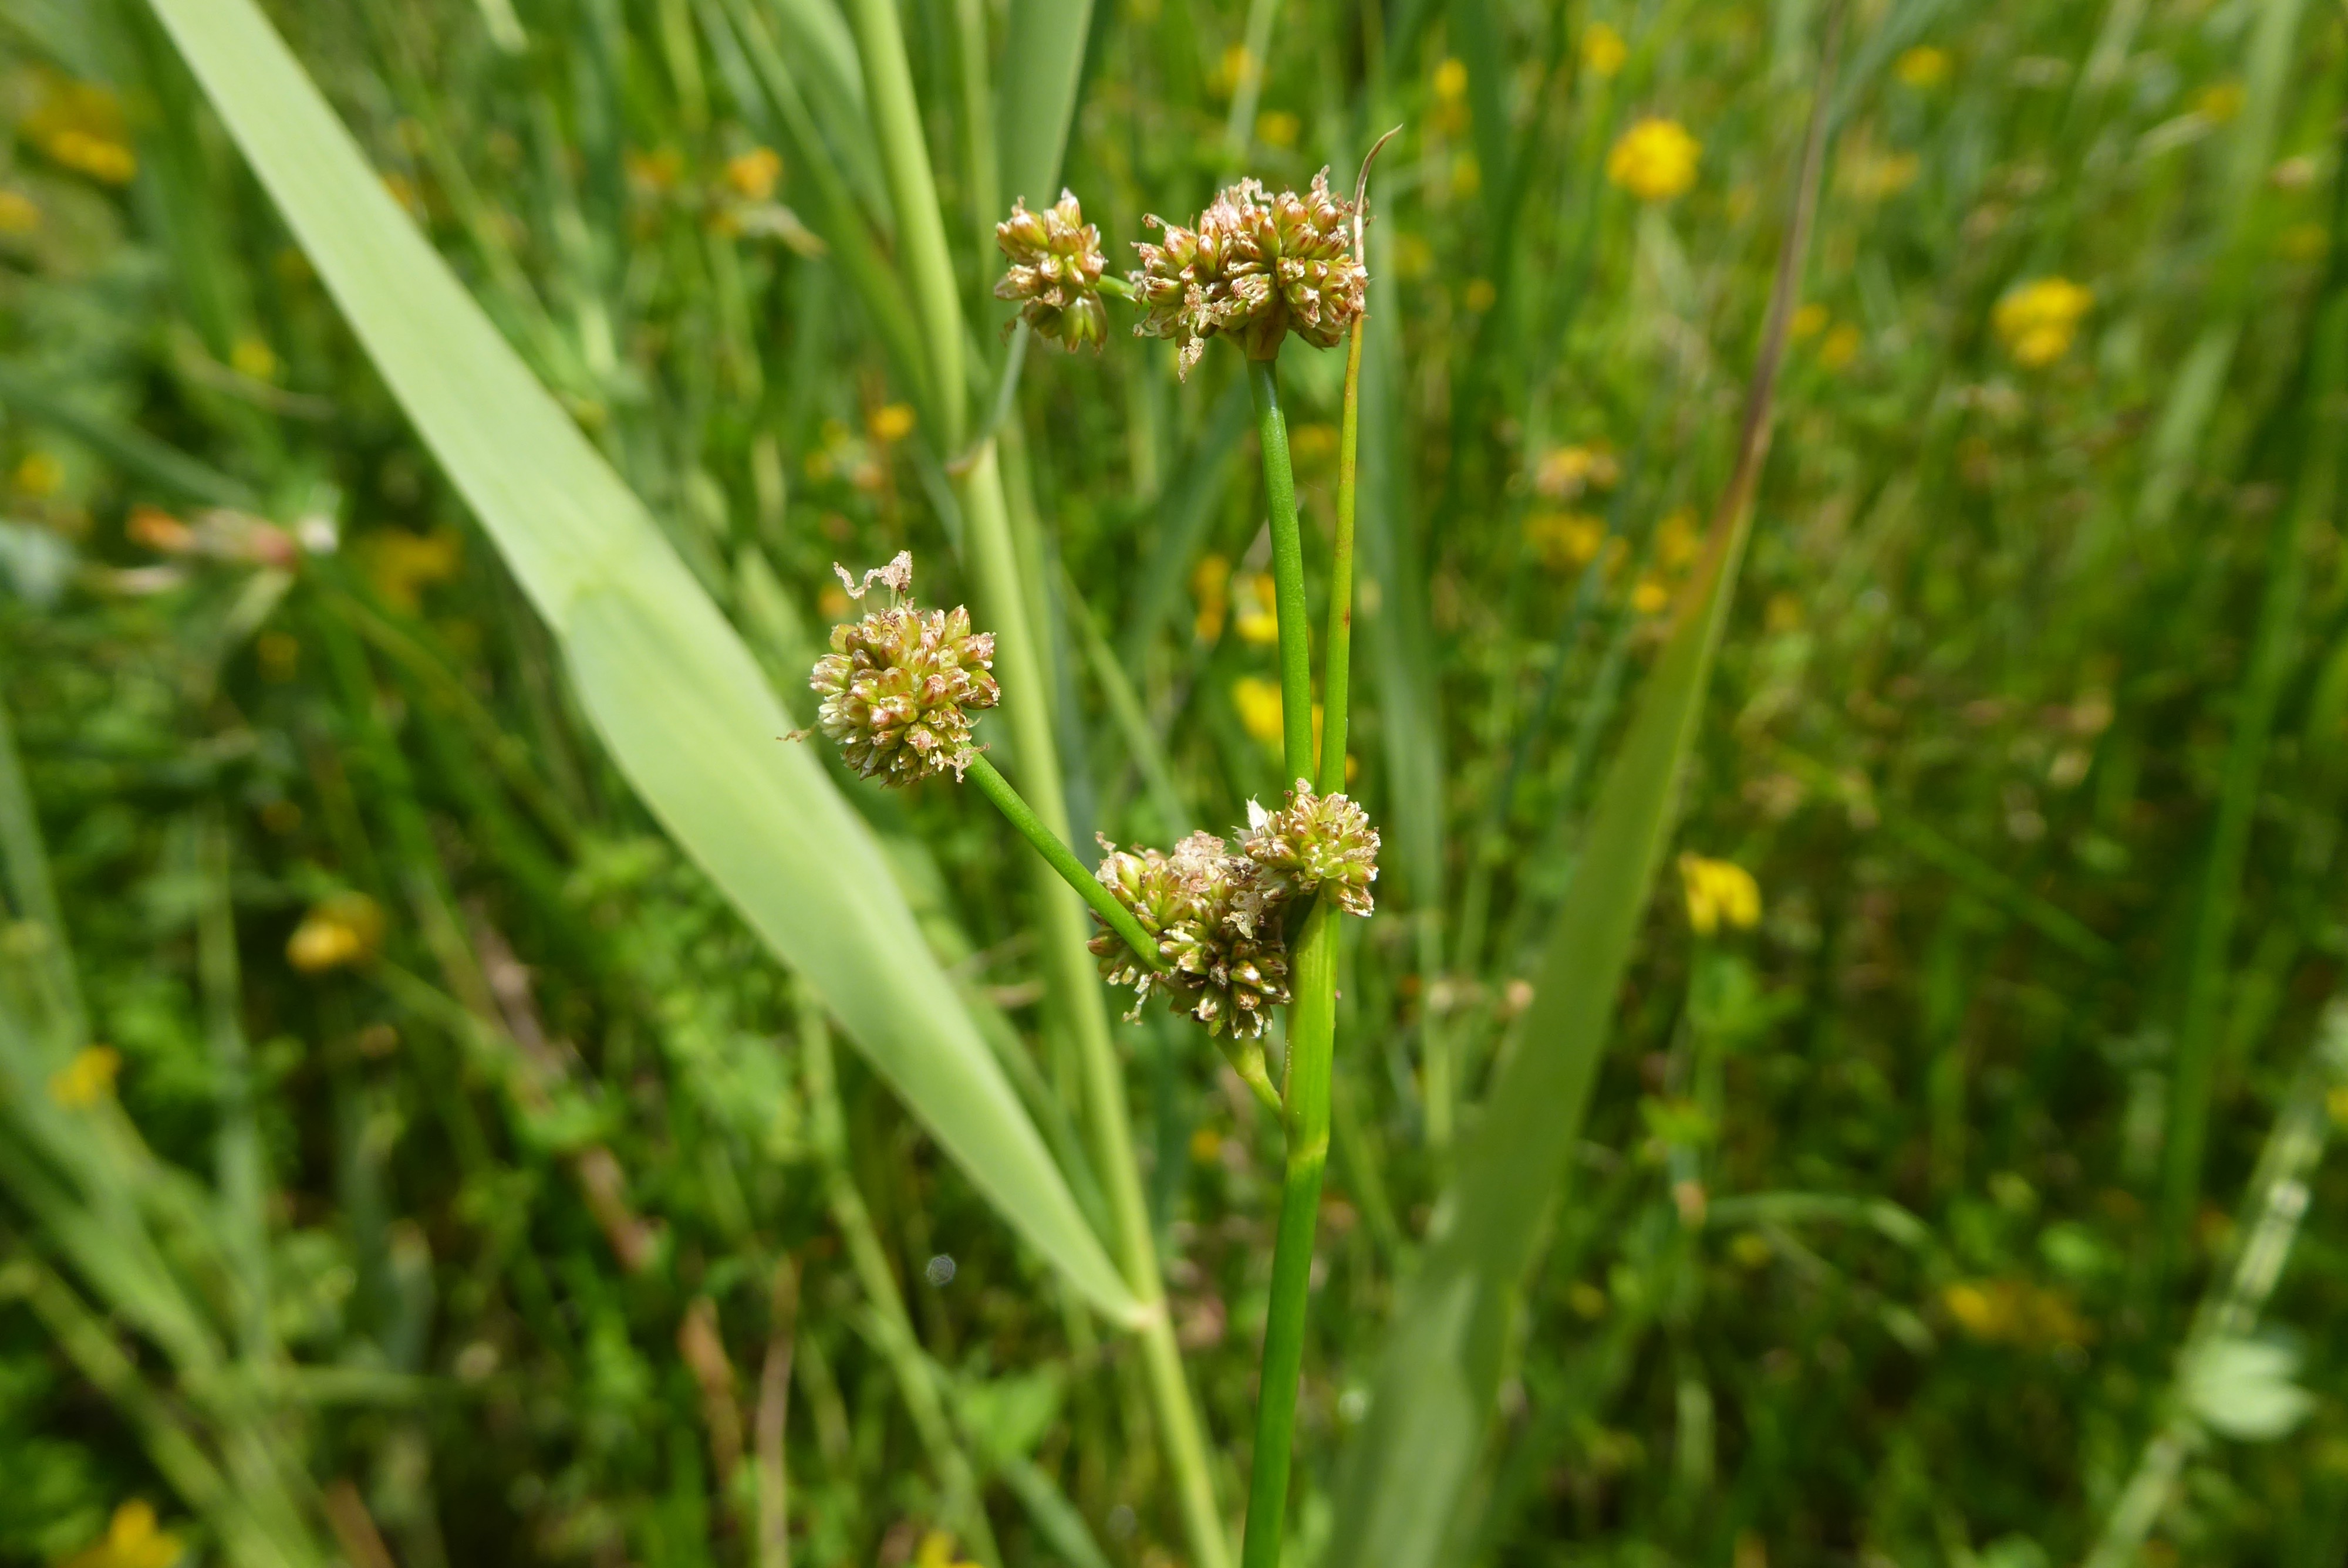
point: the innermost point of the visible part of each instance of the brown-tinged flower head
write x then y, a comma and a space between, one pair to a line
1225, 971
1054, 275
899, 685
1257, 267
1314, 843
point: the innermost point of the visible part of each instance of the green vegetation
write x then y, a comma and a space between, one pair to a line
1822, 561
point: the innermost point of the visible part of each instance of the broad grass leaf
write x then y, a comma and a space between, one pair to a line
669, 685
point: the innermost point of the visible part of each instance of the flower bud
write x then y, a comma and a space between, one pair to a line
899, 685
1055, 272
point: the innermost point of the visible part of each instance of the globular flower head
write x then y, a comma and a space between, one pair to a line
1054, 273
1315, 842
1224, 969
899, 685
1258, 266
1654, 161
1719, 892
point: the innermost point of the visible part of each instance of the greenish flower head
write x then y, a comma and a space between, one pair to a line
1257, 267
1055, 274
1315, 842
1224, 969
899, 685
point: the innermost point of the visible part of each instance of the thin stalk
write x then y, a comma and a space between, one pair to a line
1312, 1038
1337, 653
1287, 574
1062, 859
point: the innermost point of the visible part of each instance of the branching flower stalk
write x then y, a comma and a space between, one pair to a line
1225, 932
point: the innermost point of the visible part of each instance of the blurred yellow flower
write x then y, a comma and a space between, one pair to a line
1783, 614
1564, 472
2036, 321
18, 213
1873, 176
2015, 1312
1676, 540
88, 1079
252, 359
340, 930
1313, 444
1467, 175
753, 174
401, 565
1235, 66
1564, 540
79, 125
937, 1551
38, 475
1602, 50
2219, 101
1842, 346
890, 423
1451, 80
1922, 66
1717, 892
132, 1540
1586, 1300
1258, 621
1210, 582
1206, 1145
1808, 322
1649, 595
1414, 257
1480, 295
1654, 161
1278, 127
1258, 702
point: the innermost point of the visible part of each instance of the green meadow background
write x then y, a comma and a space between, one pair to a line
473, 1094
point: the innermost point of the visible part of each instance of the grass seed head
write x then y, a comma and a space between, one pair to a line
1054, 273
1315, 842
1258, 266
899, 685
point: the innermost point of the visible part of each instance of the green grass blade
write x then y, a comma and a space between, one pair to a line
1036, 94
1441, 1367
667, 682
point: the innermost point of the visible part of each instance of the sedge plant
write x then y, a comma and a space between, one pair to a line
1226, 931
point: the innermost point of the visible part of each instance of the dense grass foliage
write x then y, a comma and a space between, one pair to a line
408, 1154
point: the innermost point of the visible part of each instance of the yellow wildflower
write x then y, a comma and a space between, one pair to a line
937, 1551
252, 359
1677, 540
1258, 702
18, 213
1278, 127
1206, 1145
132, 1540
1649, 595
2015, 1312
890, 423
1602, 50
1564, 540
2036, 321
1467, 175
1210, 582
1808, 322
1654, 161
753, 174
1922, 66
1875, 176
1451, 81
79, 125
1237, 62
401, 565
1257, 621
1718, 891
88, 1079
2219, 101
1565, 472
340, 931
1480, 295
1840, 348
40, 475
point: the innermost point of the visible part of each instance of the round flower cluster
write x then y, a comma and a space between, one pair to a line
1218, 915
899, 685
1257, 267
1055, 268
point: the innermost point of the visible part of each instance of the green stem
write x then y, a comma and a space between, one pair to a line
1058, 855
1312, 1038
1287, 575
1337, 651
